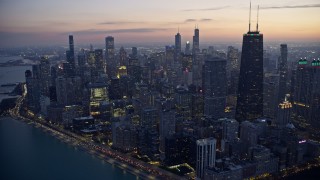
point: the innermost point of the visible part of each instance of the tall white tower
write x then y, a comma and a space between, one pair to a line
206, 155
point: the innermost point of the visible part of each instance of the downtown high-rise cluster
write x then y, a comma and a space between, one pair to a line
200, 112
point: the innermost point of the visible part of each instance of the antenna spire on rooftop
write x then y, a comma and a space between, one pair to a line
250, 18
258, 20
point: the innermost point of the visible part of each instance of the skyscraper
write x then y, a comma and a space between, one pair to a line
70, 53
282, 68
250, 89
233, 70
230, 129
270, 95
123, 59
44, 76
215, 87
110, 61
206, 155
195, 45
283, 114
69, 91
170, 57
82, 58
167, 125
306, 96
177, 47
315, 93
99, 64
33, 92
134, 51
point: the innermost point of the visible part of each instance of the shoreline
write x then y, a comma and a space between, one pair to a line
134, 166
73, 142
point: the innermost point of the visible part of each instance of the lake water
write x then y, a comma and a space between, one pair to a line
31, 154
11, 74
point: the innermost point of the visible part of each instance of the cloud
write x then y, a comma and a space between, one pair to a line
208, 9
133, 30
205, 20
292, 7
57, 23
118, 22
190, 20
198, 20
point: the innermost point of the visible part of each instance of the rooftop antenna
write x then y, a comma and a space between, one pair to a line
178, 29
250, 17
258, 19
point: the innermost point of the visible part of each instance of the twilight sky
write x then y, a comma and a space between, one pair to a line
33, 22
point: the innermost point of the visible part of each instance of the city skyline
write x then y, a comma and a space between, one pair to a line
36, 22
167, 90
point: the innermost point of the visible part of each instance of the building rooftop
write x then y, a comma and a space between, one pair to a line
83, 118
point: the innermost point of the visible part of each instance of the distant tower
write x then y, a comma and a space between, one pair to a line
195, 45
82, 58
283, 68
215, 87
170, 56
123, 57
99, 64
250, 89
134, 52
45, 76
177, 48
206, 155
61, 90
110, 61
109, 47
70, 53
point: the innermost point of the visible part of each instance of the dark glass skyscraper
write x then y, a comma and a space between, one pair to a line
195, 45
215, 87
177, 47
44, 76
306, 95
250, 88
134, 52
123, 60
70, 53
283, 68
109, 48
110, 60
99, 64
